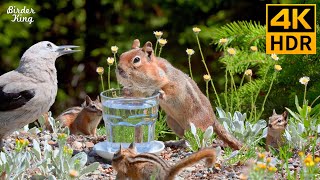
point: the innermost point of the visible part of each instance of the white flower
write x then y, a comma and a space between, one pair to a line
248, 72
190, 52
114, 49
304, 80
275, 57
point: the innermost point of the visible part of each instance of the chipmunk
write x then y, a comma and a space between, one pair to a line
276, 127
131, 165
83, 120
142, 73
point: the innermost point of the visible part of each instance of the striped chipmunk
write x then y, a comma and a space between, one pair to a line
131, 165
276, 127
83, 120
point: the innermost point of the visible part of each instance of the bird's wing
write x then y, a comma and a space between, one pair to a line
13, 91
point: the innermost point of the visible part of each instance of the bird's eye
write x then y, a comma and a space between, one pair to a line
49, 45
136, 59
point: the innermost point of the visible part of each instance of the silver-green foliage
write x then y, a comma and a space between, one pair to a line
197, 139
51, 163
240, 128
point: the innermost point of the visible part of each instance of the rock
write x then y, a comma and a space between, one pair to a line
76, 145
47, 137
52, 142
91, 160
92, 153
89, 144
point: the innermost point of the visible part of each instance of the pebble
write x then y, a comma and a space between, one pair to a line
76, 145
89, 144
47, 137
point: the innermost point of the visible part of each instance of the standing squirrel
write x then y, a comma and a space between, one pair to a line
83, 120
131, 165
142, 73
276, 127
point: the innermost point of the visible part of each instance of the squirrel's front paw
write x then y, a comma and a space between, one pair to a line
162, 95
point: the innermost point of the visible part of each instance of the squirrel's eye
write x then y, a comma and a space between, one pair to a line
136, 59
49, 45
279, 120
93, 106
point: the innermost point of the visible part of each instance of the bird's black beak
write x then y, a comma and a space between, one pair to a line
66, 49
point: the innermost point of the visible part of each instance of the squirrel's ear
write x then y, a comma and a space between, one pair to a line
135, 44
148, 48
274, 112
285, 114
98, 99
132, 146
88, 100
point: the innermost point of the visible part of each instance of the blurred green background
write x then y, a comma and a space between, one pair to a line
99, 24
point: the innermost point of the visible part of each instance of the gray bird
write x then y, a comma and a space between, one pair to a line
29, 91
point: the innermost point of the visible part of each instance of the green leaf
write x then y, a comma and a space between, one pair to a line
92, 167
36, 149
297, 104
297, 117
81, 157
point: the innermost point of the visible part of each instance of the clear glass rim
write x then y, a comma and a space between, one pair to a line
126, 98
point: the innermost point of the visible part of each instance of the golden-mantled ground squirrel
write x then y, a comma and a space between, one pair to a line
276, 127
131, 165
83, 120
141, 72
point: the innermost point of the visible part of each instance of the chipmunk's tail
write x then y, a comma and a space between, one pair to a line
225, 136
208, 153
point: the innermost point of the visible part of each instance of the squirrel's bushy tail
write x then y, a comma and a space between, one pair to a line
208, 153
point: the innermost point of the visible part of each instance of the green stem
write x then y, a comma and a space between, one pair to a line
115, 62
242, 79
189, 59
205, 65
252, 104
207, 88
101, 77
160, 51
265, 98
235, 91
226, 91
109, 77
155, 49
305, 94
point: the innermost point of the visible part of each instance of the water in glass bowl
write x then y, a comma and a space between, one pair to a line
129, 121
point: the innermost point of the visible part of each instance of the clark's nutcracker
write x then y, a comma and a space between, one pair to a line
29, 91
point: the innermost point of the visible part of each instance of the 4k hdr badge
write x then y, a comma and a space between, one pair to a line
291, 29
